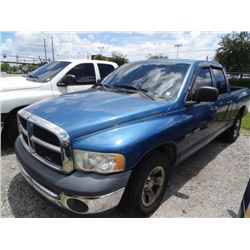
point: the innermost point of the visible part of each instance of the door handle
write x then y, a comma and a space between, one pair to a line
229, 102
214, 108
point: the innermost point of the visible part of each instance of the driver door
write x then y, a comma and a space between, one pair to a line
85, 77
200, 123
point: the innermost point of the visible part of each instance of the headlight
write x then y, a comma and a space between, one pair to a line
98, 162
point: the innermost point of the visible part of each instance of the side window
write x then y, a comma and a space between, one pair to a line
105, 69
220, 81
85, 73
202, 79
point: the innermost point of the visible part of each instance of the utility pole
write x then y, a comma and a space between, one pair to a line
45, 52
178, 45
52, 45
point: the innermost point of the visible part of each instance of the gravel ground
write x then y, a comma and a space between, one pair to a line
208, 184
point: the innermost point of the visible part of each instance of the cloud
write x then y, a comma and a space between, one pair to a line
136, 45
91, 36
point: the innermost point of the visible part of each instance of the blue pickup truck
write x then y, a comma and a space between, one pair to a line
116, 143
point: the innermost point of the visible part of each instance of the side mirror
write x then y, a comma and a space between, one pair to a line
67, 80
205, 94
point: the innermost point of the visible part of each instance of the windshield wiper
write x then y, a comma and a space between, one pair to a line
102, 85
33, 77
136, 90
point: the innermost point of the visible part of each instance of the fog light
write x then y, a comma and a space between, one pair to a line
77, 205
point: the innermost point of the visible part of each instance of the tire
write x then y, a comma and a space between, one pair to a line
231, 134
138, 199
12, 129
241, 211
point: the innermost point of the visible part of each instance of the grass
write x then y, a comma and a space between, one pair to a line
245, 123
240, 82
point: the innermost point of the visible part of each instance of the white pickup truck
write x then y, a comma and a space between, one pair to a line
52, 79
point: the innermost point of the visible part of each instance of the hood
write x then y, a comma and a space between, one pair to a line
17, 83
85, 112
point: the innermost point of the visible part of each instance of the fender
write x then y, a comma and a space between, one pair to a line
135, 140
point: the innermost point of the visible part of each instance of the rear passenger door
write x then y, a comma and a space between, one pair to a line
105, 69
224, 102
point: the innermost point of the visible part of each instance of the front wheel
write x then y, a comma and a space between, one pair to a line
147, 185
12, 129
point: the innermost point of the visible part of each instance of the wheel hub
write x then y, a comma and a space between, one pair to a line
153, 186
236, 128
149, 183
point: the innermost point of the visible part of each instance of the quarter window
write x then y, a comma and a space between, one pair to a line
85, 73
105, 69
220, 81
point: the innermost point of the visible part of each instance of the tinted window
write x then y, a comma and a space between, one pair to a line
47, 72
220, 81
85, 73
161, 80
105, 69
202, 79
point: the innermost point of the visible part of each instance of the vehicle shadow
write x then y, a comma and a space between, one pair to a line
25, 202
6, 151
5, 148
191, 167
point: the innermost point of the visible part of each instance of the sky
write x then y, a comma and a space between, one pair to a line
135, 45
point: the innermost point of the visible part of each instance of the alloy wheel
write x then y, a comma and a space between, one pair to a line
153, 186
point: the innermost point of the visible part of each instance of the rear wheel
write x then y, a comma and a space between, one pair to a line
233, 132
147, 185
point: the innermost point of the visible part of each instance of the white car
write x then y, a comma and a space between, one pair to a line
52, 79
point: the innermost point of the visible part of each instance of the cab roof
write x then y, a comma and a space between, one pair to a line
84, 61
187, 61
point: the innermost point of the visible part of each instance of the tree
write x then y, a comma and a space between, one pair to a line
18, 69
31, 67
161, 56
14, 69
118, 58
100, 57
234, 51
5, 67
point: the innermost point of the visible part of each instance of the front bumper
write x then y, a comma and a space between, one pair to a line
81, 193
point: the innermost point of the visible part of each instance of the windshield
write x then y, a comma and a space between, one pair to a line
47, 72
161, 80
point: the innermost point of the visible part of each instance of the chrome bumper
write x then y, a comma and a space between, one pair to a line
94, 205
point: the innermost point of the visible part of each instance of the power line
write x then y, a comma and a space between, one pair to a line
129, 54
28, 57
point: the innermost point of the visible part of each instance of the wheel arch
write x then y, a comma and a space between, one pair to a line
11, 113
242, 111
168, 148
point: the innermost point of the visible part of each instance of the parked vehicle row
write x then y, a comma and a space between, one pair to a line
52, 79
116, 143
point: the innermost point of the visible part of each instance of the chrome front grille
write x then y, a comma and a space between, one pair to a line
45, 141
